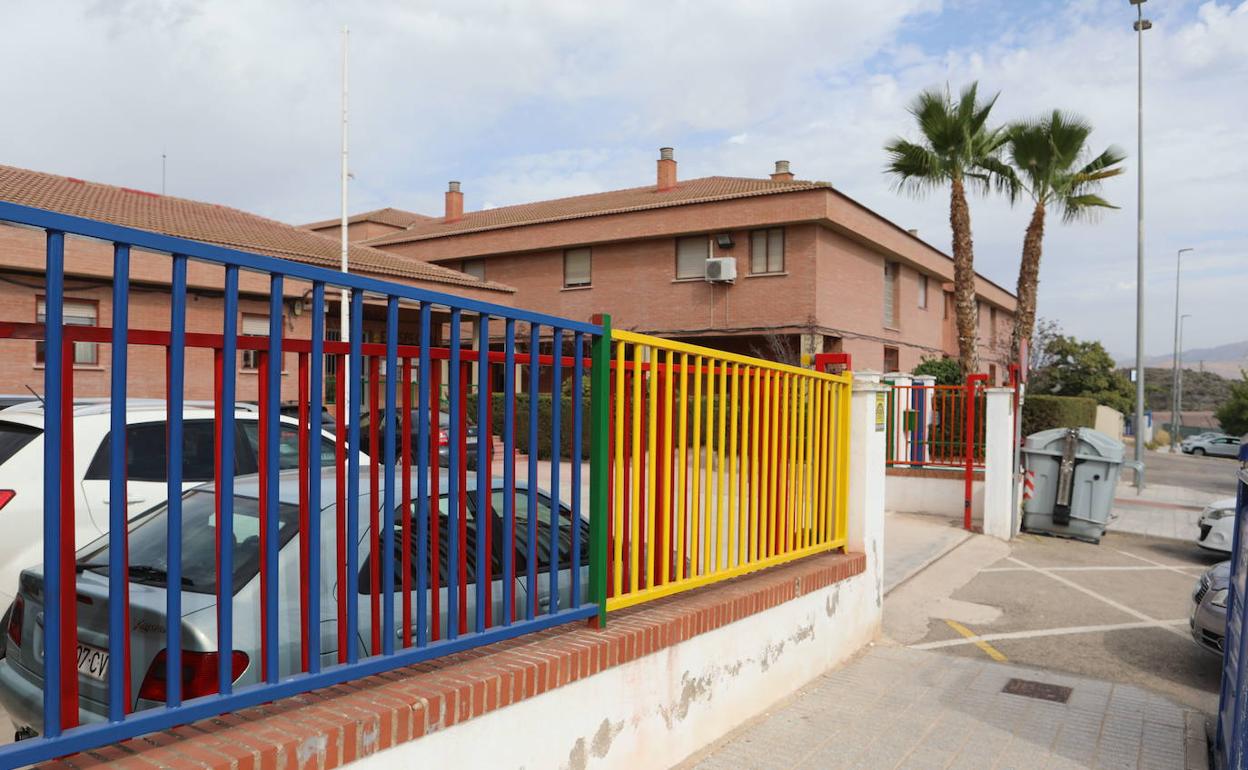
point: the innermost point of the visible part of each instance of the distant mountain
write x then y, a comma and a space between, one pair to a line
1226, 360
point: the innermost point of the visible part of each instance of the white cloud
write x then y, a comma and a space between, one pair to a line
546, 98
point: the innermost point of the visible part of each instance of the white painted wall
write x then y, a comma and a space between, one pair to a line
1109, 421
659, 709
999, 463
943, 496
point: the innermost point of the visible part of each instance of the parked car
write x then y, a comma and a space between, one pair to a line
443, 436
21, 673
1208, 618
1217, 525
21, 469
1218, 446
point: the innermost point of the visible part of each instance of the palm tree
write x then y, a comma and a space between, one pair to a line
960, 149
1049, 155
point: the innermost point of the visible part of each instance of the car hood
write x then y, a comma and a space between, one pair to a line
1219, 575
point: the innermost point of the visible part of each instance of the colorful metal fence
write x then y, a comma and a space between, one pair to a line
381, 508
936, 426
720, 465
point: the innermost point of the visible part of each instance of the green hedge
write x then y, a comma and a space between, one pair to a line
543, 424
1042, 412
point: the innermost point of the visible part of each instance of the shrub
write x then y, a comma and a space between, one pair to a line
1042, 412
947, 371
1161, 437
544, 418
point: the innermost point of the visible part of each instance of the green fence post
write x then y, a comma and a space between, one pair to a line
599, 466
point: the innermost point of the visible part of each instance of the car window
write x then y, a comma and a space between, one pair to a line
14, 436
287, 445
148, 534
146, 459
543, 531
470, 546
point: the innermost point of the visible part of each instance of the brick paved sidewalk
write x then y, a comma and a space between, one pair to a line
900, 708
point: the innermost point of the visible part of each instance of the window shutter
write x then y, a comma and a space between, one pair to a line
255, 325
775, 250
691, 254
890, 281
758, 251
577, 267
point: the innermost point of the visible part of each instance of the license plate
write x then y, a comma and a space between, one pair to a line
92, 662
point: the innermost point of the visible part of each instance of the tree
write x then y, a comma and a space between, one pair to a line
960, 149
1233, 414
946, 370
1049, 155
1083, 368
1045, 332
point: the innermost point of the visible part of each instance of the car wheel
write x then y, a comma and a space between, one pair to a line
1198, 452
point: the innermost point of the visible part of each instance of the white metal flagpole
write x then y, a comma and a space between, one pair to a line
344, 317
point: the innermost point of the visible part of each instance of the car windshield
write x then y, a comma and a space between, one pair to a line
148, 540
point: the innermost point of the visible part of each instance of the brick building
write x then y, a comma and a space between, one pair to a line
88, 283
815, 270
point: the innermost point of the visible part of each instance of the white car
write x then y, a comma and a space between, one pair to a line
21, 470
1217, 525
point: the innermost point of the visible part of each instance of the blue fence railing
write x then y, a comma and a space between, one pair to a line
376, 541
1230, 747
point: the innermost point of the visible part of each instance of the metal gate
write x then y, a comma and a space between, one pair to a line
1230, 750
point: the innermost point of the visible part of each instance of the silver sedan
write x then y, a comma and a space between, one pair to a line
21, 672
1217, 446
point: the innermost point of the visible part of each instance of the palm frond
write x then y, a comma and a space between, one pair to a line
915, 168
1083, 207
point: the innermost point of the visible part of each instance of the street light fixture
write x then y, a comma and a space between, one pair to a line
1178, 348
1140, 25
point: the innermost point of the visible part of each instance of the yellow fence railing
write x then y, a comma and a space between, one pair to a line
721, 464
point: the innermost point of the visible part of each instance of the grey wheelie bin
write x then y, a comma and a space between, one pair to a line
1074, 472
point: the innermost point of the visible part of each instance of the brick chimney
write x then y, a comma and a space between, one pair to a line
667, 169
782, 173
454, 203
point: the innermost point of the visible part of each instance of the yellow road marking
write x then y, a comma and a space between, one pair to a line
988, 649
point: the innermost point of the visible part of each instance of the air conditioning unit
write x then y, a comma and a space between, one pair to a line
721, 270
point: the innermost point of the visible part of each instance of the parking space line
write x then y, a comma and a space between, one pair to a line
1117, 568
978, 641
1116, 605
1156, 564
1068, 630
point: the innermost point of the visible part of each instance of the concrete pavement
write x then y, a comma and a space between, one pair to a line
902, 708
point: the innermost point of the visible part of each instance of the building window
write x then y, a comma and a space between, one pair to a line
691, 256
922, 291
473, 267
76, 312
890, 294
577, 267
767, 250
254, 325
892, 359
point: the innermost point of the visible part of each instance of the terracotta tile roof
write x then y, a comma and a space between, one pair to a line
387, 216
212, 223
704, 190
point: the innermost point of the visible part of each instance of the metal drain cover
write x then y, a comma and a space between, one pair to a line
1038, 690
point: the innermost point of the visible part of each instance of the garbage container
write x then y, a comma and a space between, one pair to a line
1074, 472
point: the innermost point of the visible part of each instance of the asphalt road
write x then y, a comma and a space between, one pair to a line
1116, 611
1208, 474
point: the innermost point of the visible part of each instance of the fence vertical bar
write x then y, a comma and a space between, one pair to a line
695, 481
578, 382
509, 472
530, 539
556, 399
682, 437
118, 585
734, 468
387, 515
651, 464
273, 397
340, 491
617, 509
600, 474
484, 514
405, 548
634, 505
765, 507
225, 486
316, 389
453, 544
424, 368
305, 515
665, 572
968, 451
175, 362
53, 316
355, 367
374, 492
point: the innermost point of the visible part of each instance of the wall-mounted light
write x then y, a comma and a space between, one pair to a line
724, 240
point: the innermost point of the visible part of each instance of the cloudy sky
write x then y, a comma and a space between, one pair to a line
543, 98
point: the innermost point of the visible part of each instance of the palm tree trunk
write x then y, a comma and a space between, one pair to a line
1028, 281
964, 279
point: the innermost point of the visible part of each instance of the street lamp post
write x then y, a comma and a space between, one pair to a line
1178, 347
1141, 24
1176, 419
